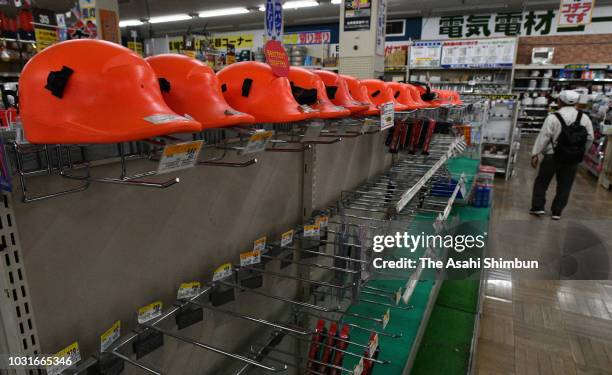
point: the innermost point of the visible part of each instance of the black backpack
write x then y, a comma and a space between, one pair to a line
571, 144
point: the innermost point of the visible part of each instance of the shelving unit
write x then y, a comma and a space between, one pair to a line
466, 80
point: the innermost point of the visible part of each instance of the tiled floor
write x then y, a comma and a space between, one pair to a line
556, 324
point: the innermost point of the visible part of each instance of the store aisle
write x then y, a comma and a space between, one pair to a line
548, 326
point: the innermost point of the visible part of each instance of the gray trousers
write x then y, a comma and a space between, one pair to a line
564, 173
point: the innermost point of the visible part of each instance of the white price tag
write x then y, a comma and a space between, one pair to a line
462, 188
373, 344
250, 257
287, 238
188, 290
66, 358
260, 244
311, 230
387, 116
358, 370
386, 319
223, 271
110, 336
179, 156
258, 141
149, 312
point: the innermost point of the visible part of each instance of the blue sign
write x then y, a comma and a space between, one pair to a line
274, 18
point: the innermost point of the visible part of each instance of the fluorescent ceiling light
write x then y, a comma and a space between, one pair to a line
126, 23
262, 8
222, 12
300, 4
336, 1
482, 6
170, 18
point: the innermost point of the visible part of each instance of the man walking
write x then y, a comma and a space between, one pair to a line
564, 138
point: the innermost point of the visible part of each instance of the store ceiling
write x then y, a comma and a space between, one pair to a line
324, 13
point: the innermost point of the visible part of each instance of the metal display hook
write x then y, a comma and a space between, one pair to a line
352, 325
220, 139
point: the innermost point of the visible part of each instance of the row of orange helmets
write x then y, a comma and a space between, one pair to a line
91, 91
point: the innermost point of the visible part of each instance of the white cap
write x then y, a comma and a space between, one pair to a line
569, 97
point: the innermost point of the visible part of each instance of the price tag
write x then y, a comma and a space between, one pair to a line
179, 156
223, 271
258, 141
462, 188
311, 230
110, 336
373, 344
250, 257
398, 296
67, 357
439, 224
411, 285
188, 290
322, 221
149, 312
387, 116
386, 318
287, 238
260, 244
358, 370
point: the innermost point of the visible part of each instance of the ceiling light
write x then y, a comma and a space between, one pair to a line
300, 4
222, 12
482, 6
170, 18
126, 23
262, 8
336, 2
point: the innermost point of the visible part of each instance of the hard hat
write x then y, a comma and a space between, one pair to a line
338, 92
191, 87
443, 97
570, 97
402, 95
427, 95
253, 88
308, 88
93, 91
416, 96
380, 93
360, 93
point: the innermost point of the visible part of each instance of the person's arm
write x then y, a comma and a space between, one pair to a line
545, 136
586, 122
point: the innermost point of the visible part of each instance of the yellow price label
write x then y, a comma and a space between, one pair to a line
69, 351
322, 221
250, 257
110, 336
261, 136
222, 271
187, 290
311, 230
182, 148
150, 311
287, 238
260, 244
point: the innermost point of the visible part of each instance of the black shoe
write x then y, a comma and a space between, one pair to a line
537, 212
556, 216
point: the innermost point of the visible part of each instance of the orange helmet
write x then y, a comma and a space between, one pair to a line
251, 87
309, 89
93, 91
443, 97
190, 87
360, 93
402, 95
380, 93
428, 96
338, 92
416, 96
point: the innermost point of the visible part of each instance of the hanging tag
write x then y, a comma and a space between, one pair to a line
462, 188
311, 230
411, 285
258, 141
439, 224
110, 336
179, 156
398, 296
260, 244
287, 238
188, 290
387, 116
149, 312
386, 318
223, 271
358, 370
322, 221
250, 257
64, 359
373, 344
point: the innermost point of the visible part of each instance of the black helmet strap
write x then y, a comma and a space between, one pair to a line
57, 81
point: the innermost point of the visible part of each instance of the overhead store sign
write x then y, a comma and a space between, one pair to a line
528, 23
357, 15
220, 42
308, 37
425, 54
274, 18
575, 12
482, 53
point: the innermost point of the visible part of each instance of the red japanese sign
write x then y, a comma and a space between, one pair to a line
277, 58
575, 12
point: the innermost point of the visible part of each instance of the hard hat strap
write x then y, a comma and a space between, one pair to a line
57, 81
164, 84
246, 87
331, 91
